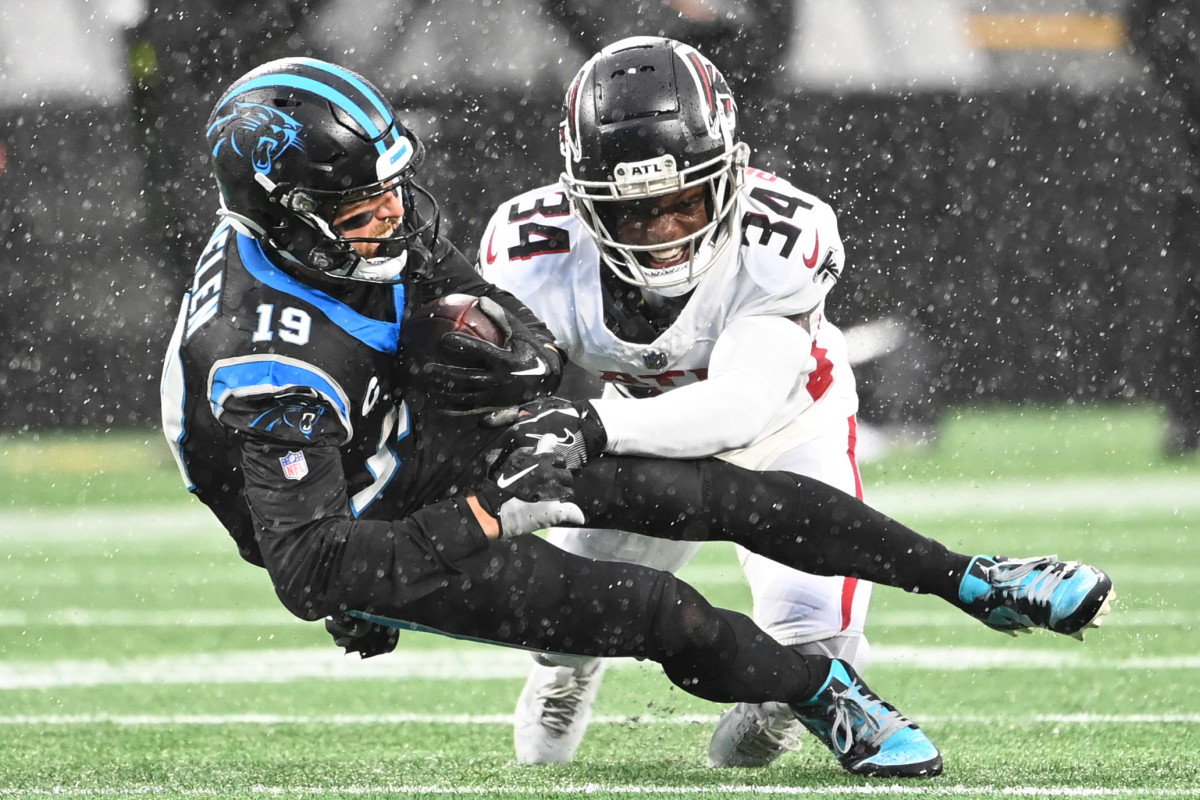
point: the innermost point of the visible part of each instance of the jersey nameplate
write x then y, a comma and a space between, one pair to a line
204, 297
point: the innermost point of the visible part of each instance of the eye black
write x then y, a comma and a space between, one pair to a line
356, 220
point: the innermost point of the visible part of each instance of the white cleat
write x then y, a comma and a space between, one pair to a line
554, 710
754, 735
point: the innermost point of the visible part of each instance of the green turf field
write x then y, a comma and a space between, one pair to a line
140, 657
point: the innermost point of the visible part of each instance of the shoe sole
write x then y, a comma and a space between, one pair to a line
1098, 618
930, 769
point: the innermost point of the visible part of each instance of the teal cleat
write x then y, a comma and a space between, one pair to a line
1016, 595
868, 736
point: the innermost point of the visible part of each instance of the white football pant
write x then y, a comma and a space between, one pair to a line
794, 607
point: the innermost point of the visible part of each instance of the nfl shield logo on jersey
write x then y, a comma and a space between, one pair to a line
654, 359
294, 466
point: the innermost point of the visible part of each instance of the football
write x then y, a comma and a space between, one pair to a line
454, 313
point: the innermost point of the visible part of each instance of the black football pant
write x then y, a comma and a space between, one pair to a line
793, 519
527, 593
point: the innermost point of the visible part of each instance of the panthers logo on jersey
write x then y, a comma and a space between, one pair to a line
262, 132
301, 418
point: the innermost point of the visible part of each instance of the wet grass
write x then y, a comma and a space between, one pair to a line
140, 657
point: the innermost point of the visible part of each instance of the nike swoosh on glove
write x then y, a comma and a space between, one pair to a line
530, 490
526, 366
578, 433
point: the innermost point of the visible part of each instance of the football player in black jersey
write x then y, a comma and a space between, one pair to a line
294, 416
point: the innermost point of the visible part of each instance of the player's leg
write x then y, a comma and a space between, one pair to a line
528, 593
812, 526
813, 613
554, 707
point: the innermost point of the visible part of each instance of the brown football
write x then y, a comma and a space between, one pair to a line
452, 313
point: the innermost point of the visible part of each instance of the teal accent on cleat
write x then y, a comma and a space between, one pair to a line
1016, 595
868, 736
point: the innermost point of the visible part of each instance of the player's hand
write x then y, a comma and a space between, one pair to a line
578, 433
529, 490
523, 369
359, 636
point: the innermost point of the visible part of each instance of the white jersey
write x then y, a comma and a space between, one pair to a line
734, 374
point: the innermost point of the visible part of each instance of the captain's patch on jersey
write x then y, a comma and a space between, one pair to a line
295, 467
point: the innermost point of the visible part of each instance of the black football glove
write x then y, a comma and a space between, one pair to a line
529, 490
359, 636
578, 433
476, 375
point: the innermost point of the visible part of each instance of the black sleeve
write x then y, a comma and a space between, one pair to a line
322, 560
298, 418
452, 272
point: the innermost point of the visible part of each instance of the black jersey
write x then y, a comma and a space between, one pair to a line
307, 391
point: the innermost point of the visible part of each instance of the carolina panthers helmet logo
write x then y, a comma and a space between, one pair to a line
262, 132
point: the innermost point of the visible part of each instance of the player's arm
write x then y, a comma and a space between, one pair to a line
756, 364
318, 555
296, 491
322, 559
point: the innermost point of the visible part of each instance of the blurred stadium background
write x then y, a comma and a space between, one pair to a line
1015, 184
1006, 173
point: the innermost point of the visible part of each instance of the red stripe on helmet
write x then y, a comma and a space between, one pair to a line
699, 67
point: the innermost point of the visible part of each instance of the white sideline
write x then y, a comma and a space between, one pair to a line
480, 662
1172, 493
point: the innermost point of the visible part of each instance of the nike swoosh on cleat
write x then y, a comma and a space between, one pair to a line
504, 481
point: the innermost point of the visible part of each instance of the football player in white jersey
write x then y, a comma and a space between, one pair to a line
693, 286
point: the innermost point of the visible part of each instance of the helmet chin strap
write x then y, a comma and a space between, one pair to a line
242, 224
380, 270
675, 290
712, 252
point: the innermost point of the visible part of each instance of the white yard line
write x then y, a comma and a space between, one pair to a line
1077, 495
602, 790
485, 663
1170, 493
123, 618
347, 720
111, 523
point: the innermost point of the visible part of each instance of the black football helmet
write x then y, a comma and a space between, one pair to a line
649, 116
296, 140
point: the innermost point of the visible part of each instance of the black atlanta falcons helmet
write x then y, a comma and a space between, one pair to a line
296, 140
649, 116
